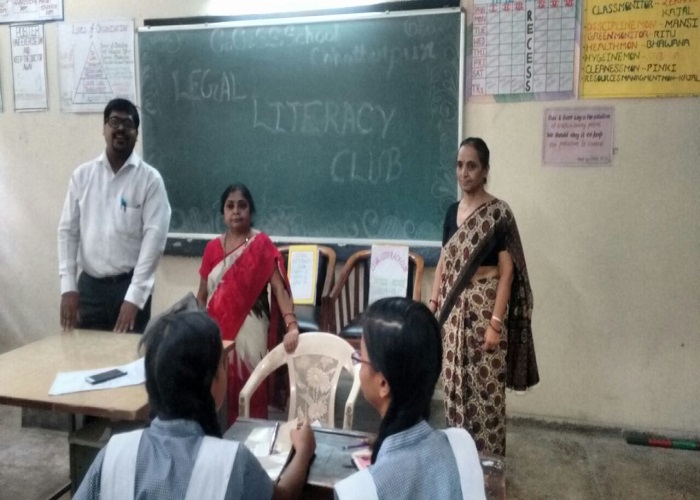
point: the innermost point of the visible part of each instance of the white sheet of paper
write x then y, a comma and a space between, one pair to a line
303, 275
69, 382
258, 443
388, 276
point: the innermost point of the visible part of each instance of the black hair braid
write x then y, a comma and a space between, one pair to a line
183, 353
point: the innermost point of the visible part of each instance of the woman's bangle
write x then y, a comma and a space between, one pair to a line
497, 319
497, 330
291, 313
432, 301
292, 323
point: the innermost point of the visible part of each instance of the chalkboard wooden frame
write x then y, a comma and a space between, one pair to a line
388, 6
189, 243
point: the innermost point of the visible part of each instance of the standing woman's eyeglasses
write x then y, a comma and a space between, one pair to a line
357, 359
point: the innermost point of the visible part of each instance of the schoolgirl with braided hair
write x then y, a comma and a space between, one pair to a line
401, 358
181, 454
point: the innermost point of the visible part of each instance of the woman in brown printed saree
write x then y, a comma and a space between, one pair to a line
234, 276
483, 301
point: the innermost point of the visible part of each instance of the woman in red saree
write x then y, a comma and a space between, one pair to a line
234, 276
482, 296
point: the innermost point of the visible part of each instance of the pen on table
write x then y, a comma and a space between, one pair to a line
274, 436
359, 444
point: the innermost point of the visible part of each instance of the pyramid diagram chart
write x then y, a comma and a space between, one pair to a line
93, 85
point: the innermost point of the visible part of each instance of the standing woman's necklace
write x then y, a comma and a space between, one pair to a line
476, 202
247, 239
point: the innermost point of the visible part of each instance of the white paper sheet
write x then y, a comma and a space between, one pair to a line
259, 441
303, 273
69, 382
388, 275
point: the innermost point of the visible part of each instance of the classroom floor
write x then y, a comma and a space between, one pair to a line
543, 462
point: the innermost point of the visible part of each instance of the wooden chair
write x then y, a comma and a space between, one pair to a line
350, 295
310, 317
314, 371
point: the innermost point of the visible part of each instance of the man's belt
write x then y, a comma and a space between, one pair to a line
117, 278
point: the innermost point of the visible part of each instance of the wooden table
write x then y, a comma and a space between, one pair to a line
27, 374
332, 463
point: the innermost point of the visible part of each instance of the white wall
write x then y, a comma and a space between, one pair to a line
610, 250
612, 255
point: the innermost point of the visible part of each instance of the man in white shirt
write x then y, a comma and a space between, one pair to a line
114, 226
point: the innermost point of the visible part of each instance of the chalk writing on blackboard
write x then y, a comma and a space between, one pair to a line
340, 129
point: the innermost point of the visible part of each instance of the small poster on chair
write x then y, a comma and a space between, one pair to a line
388, 275
302, 271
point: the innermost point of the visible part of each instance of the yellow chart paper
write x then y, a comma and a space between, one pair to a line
640, 48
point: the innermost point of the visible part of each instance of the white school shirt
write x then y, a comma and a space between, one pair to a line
114, 223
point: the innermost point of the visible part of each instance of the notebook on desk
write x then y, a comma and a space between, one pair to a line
272, 446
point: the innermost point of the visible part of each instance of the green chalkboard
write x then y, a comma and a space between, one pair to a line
341, 128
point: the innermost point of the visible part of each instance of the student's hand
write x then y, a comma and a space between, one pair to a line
291, 340
303, 440
127, 317
433, 305
69, 310
491, 339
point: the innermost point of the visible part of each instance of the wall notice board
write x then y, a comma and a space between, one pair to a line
344, 129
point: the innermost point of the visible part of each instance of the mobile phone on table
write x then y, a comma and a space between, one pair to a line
98, 378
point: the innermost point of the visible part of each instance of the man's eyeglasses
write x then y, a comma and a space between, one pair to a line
357, 359
115, 122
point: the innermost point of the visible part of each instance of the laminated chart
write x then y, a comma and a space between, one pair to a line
640, 48
96, 63
523, 47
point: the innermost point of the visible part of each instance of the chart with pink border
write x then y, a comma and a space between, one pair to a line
522, 50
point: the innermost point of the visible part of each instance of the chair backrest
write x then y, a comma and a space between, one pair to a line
314, 370
326, 270
350, 295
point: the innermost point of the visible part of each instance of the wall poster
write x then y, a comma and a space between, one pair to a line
29, 67
523, 48
96, 63
640, 48
23, 11
578, 136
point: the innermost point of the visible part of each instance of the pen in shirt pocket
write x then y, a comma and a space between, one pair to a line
123, 204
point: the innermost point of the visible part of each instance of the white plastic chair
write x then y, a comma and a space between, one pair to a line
314, 370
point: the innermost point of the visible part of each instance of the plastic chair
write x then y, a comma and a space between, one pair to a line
314, 371
311, 317
350, 295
